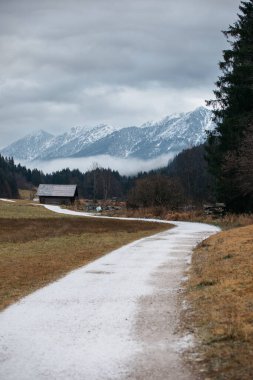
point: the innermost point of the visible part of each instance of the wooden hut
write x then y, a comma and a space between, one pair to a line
57, 194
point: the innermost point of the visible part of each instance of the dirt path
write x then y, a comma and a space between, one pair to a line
115, 318
6, 200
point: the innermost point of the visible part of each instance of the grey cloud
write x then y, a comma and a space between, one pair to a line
67, 62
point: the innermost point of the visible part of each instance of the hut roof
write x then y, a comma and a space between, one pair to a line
56, 190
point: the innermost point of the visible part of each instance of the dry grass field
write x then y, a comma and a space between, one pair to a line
38, 246
220, 294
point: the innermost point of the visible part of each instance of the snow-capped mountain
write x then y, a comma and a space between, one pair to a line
170, 135
77, 139
152, 139
28, 147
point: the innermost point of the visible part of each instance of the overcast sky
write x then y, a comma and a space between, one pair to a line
83, 62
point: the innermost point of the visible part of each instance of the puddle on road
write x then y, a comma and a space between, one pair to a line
97, 272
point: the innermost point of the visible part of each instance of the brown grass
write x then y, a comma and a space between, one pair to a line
220, 292
23, 230
226, 222
27, 194
23, 209
37, 246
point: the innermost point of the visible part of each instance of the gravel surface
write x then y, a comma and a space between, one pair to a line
116, 318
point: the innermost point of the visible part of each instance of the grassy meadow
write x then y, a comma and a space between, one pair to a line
38, 246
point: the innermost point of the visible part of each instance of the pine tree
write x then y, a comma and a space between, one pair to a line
8, 183
233, 107
242, 164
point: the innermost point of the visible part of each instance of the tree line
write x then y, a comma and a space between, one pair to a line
97, 183
183, 181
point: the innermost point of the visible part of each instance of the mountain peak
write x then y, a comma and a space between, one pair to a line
39, 133
202, 109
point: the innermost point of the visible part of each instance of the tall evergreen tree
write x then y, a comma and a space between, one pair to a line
233, 108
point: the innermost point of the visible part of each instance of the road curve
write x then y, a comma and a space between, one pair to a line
115, 318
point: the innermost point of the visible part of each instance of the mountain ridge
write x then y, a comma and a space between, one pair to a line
171, 134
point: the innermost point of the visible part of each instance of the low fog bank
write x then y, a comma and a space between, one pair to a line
125, 166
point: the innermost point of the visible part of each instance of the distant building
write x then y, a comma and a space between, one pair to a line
57, 194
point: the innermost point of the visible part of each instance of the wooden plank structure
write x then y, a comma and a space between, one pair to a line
57, 194
215, 209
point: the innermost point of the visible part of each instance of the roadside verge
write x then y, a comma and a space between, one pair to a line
220, 295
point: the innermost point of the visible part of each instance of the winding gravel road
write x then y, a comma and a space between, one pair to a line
115, 318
